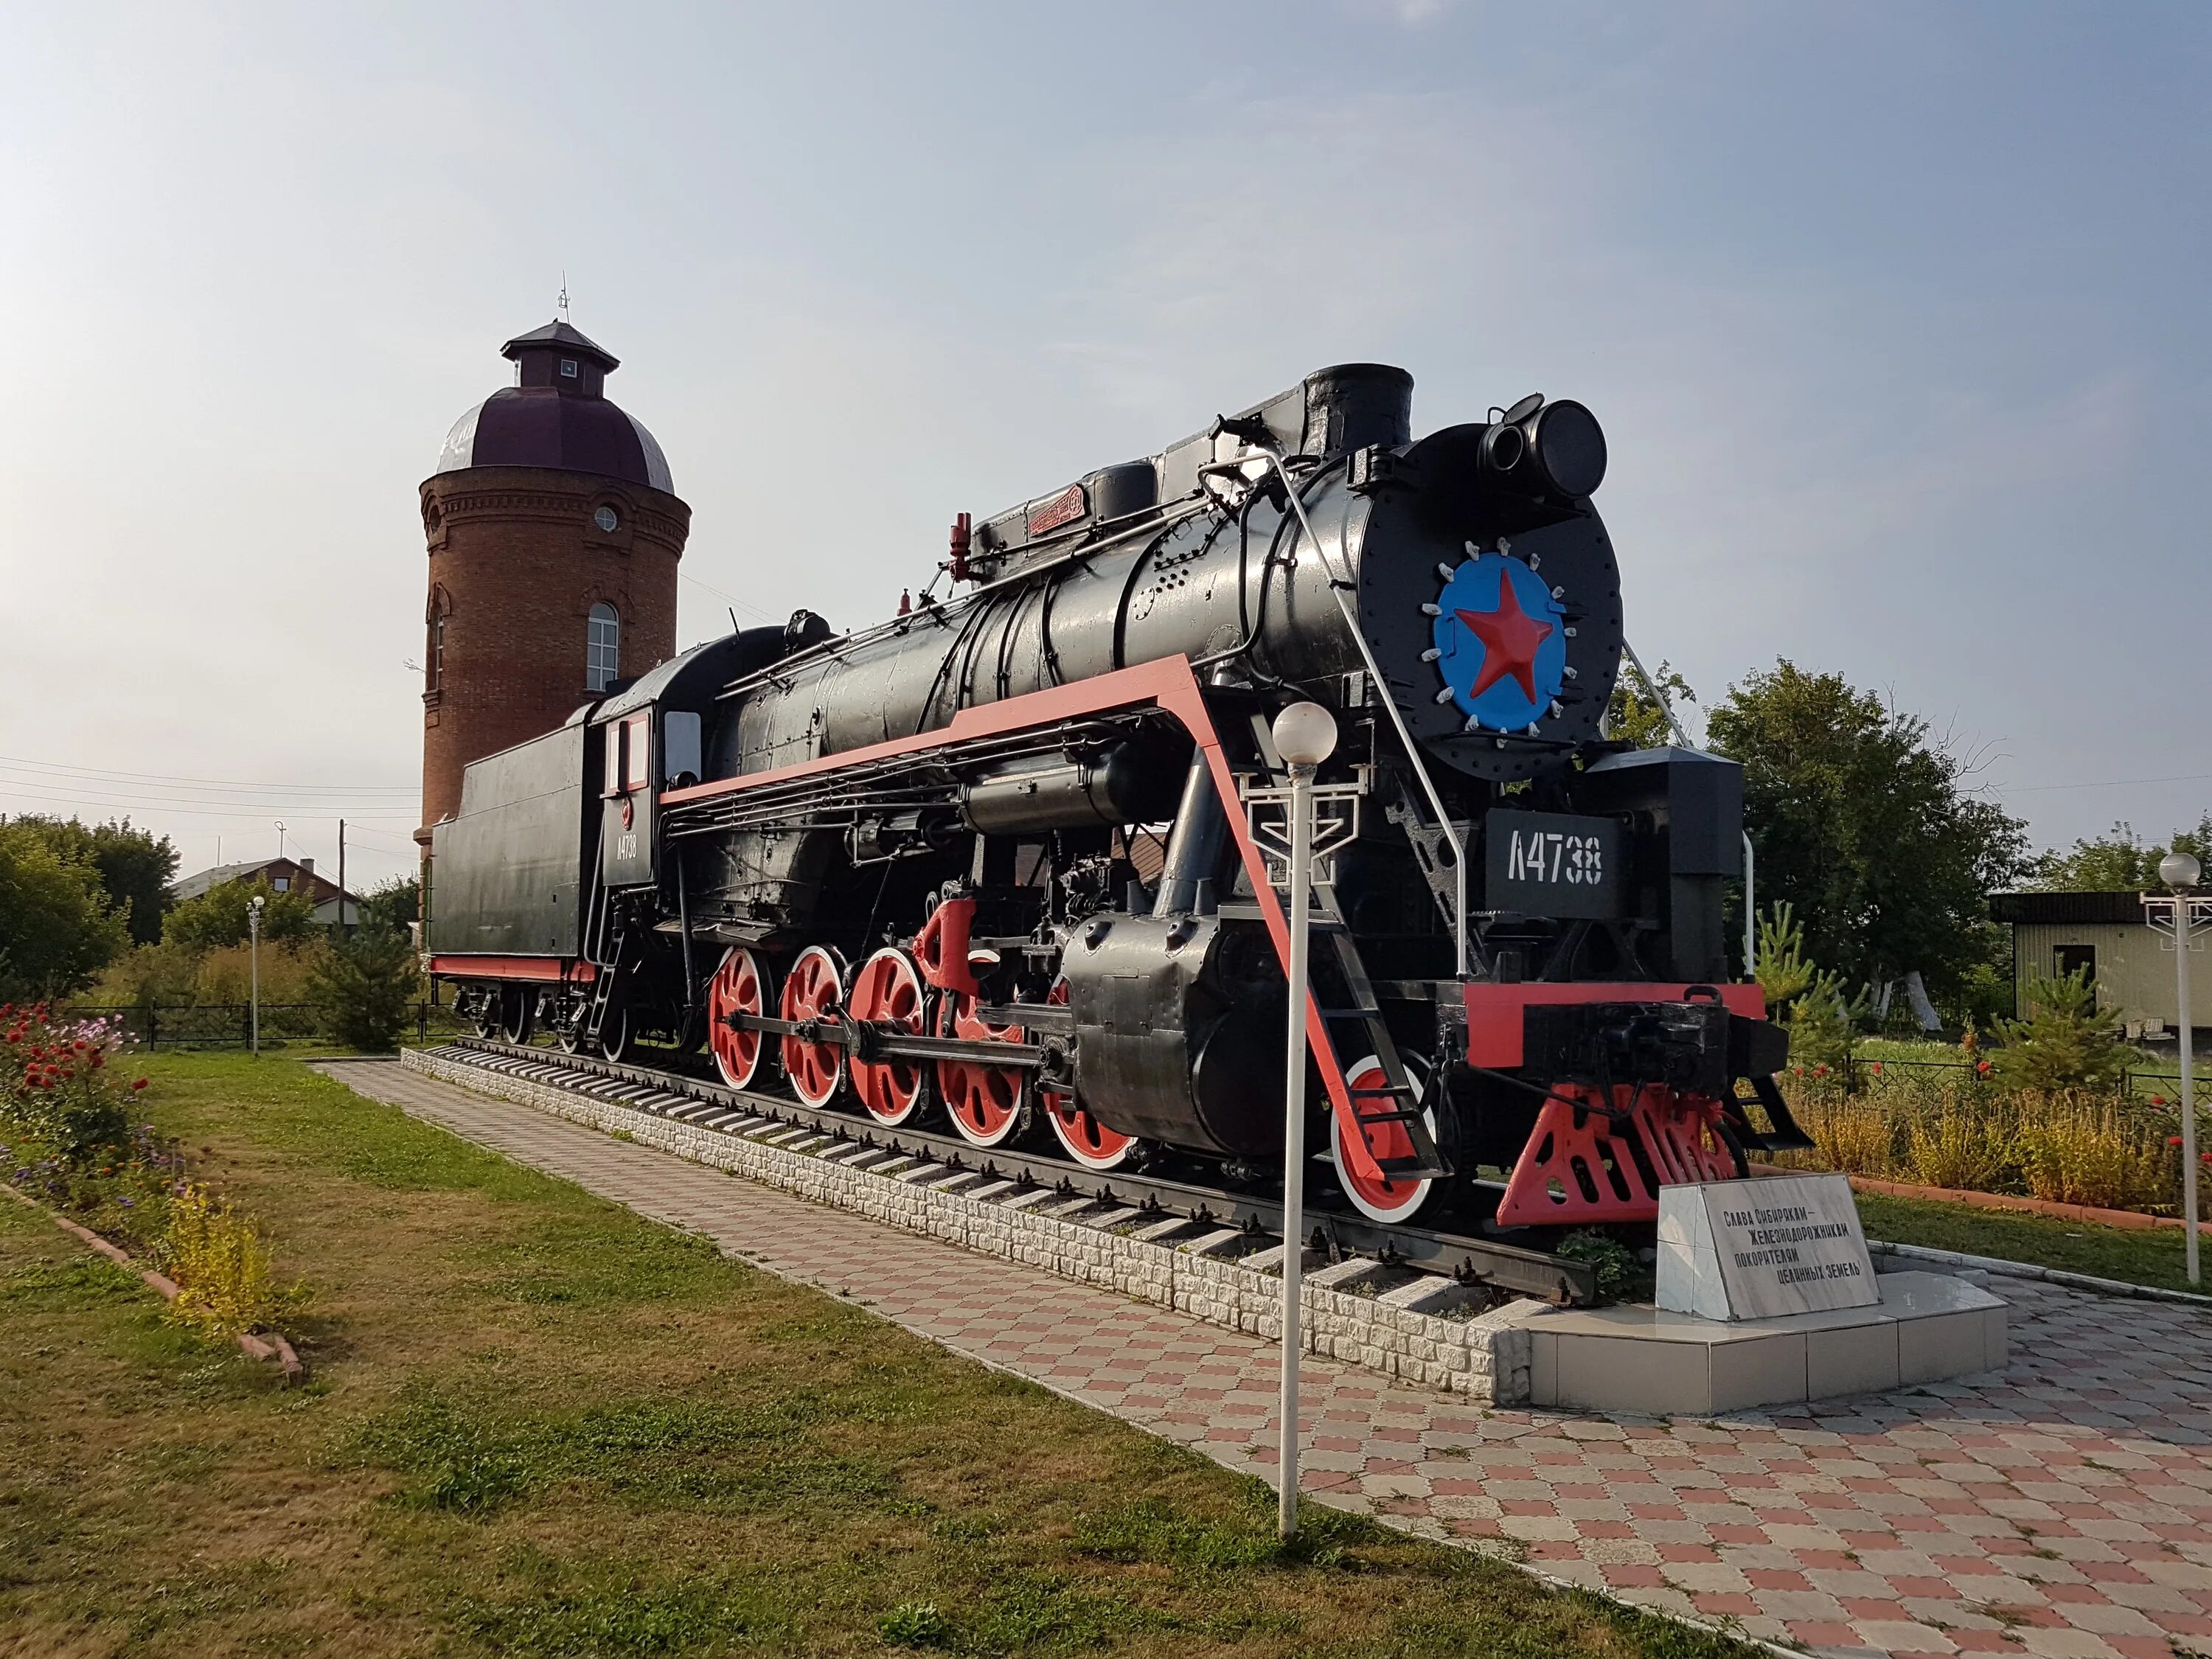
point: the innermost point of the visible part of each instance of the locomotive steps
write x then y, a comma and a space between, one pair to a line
1420, 1327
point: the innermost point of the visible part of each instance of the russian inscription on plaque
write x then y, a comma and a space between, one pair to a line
1762, 1249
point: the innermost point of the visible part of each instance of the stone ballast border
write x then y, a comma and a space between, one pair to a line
1407, 1325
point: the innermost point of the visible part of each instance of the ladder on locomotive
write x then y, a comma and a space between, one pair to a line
1352, 1019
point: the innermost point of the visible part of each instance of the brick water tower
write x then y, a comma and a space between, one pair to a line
554, 533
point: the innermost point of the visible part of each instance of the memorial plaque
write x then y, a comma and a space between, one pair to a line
1760, 1249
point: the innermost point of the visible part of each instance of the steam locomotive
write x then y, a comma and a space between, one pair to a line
1008, 861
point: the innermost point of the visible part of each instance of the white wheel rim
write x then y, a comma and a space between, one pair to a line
1417, 1192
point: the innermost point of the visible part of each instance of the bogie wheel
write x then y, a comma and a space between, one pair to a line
815, 990
1382, 1200
983, 1102
1082, 1136
740, 985
484, 1013
568, 1028
517, 1012
887, 991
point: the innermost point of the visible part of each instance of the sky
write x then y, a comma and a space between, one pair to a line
1894, 316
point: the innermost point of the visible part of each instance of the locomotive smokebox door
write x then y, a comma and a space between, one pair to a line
628, 800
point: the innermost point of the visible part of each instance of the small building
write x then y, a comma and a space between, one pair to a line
283, 876
2131, 967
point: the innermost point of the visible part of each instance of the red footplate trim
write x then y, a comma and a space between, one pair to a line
1580, 1165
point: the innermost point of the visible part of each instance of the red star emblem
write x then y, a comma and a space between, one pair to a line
1510, 637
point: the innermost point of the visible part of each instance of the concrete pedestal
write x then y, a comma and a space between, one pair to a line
1643, 1360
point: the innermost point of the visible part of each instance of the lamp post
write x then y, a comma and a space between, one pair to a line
2181, 915
1305, 733
253, 958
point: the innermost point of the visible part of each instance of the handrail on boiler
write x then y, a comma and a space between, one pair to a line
1257, 438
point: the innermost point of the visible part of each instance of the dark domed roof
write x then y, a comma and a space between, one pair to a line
557, 415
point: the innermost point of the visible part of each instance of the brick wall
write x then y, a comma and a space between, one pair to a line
517, 561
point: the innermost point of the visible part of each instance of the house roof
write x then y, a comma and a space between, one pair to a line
2098, 908
191, 886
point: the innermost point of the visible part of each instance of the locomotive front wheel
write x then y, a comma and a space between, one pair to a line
483, 1013
814, 990
518, 1013
1082, 1136
740, 985
983, 1102
1382, 1200
887, 991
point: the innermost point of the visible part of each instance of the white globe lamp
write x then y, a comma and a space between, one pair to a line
1306, 734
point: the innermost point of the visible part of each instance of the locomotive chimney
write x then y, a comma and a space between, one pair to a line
1351, 405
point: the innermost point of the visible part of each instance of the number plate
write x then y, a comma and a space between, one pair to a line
1547, 864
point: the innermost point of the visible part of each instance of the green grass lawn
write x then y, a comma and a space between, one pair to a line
2147, 1256
541, 1426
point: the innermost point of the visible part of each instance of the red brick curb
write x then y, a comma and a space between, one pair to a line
2134, 1221
271, 1346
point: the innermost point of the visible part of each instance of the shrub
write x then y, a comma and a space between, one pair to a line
361, 989
219, 1262
2067, 1041
2083, 1151
1962, 1149
1615, 1264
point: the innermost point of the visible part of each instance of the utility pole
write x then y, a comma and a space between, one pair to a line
342, 886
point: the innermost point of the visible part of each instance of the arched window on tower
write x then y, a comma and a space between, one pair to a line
602, 647
434, 645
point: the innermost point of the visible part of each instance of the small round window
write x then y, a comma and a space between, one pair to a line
607, 518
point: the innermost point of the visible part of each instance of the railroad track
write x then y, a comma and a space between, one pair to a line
704, 1103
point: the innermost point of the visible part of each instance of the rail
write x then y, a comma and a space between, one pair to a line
1473, 1259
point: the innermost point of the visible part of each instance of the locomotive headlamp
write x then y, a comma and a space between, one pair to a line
1305, 733
2178, 870
1568, 446
1554, 448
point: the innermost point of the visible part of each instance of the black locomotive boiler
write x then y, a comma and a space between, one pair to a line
997, 861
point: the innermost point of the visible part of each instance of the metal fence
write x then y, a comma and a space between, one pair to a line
230, 1024
1858, 1070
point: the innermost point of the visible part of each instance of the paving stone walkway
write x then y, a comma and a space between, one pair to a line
2061, 1507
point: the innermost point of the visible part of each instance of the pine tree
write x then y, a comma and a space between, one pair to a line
361, 989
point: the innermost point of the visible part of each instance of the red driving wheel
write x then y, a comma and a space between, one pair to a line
740, 985
1082, 1136
984, 1102
1380, 1198
887, 991
815, 990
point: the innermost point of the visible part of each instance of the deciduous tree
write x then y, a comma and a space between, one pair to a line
57, 928
218, 916
136, 867
2118, 861
1867, 826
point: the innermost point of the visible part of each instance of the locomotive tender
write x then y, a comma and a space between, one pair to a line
995, 862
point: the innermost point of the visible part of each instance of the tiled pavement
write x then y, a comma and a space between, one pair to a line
2063, 1507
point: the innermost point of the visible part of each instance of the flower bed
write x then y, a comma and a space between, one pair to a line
2103, 1148
71, 1145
